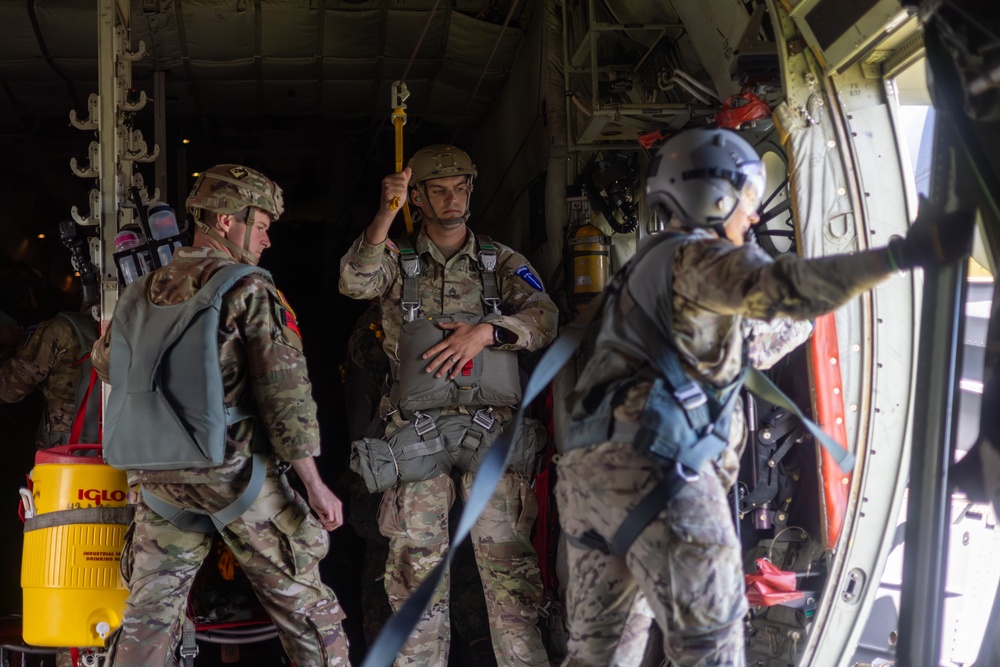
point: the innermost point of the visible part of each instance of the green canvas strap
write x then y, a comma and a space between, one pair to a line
409, 267
199, 521
488, 272
411, 270
189, 642
762, 387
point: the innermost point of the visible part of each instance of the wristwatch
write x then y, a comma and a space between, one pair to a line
500, 336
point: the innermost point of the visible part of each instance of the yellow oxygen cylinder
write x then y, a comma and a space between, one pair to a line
70, 574
590, 255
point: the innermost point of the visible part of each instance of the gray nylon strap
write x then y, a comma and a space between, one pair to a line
112, 515
182, 519
238, 413
394, 633
432, 443
410, 269
189, 642
762, 386
396, 630
409, 266
202, 522
488, 262
469, 445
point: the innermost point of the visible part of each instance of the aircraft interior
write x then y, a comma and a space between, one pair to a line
858, 109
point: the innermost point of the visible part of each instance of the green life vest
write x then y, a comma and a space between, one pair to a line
166, 409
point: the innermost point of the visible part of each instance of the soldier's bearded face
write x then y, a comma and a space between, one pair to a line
448, 199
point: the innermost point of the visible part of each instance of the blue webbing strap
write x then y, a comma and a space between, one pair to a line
392, 637
762, 387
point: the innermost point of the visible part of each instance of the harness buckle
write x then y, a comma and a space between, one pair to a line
488, 260
410, 309
691, 396
483, 418
423, 424
494, 303
686, 473
189, 651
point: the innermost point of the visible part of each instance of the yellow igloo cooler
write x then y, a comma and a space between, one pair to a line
76, 517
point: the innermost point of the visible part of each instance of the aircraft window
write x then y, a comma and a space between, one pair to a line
775, 231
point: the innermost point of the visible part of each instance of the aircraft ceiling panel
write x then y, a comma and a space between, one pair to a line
403, 30
219, 36
19, 39
299, 60
291, 33
345, 34
471, 41
292, 70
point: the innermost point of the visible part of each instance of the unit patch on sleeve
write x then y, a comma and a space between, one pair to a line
529, 277
287, 320
28, 333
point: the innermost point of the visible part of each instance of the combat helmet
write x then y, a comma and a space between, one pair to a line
441, 161
702, 175
227, 189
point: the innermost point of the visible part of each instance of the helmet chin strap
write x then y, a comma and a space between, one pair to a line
447, 223
241, 255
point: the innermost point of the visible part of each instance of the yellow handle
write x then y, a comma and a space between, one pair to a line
398, 120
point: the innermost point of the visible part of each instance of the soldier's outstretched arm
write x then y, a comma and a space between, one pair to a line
747, 282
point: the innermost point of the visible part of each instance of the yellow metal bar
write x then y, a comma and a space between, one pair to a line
399, 95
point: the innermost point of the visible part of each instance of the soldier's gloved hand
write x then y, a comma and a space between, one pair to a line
934, 239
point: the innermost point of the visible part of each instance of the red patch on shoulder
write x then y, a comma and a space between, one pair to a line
291, 323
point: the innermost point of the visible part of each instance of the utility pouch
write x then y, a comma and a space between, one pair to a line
490, 378
531, 439
677, 426
373, 460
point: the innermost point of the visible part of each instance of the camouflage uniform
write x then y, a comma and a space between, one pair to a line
687, 562
50, 360
278, 542
363, 373
414, 515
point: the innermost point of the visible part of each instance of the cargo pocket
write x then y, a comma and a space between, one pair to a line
417, 512
530, 441
127, 560
302, 543
704, 560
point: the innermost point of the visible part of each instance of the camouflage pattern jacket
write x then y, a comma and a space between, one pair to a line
717, 284
260, 353
449, 286
49, 359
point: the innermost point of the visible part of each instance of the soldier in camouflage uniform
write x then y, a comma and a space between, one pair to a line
414, 515
687, 561
278, 542
50, 359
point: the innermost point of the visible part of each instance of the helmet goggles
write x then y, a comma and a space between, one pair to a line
751, 192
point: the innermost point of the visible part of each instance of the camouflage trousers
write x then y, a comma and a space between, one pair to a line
277, 543
687, 562
414, 516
